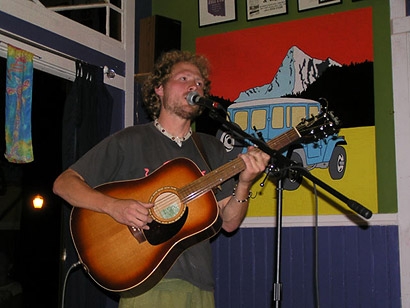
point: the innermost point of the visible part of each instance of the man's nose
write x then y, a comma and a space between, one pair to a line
193, 86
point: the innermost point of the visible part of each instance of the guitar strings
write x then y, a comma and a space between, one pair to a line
196, 188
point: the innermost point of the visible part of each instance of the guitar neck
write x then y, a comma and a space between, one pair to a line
217, 176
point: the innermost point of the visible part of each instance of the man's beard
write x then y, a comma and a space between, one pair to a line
180, 111
188, 115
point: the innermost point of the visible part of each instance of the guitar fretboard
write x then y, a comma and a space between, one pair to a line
217, 176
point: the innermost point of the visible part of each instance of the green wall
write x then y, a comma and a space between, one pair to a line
187, 12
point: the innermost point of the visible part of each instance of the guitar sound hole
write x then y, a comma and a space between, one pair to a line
167, 207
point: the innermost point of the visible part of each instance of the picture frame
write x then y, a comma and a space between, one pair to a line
212, 12
256, 9
313, 4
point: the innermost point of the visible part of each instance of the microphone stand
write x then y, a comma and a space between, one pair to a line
278, 160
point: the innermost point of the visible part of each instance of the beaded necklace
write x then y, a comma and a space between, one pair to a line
173, 138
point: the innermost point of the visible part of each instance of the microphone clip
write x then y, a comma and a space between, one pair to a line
193, 98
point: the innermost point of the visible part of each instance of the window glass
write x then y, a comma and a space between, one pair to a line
298, 113
259, 119
277, 117
313, 110
241, 118
92, 14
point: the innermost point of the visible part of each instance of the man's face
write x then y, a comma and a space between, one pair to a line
185, 78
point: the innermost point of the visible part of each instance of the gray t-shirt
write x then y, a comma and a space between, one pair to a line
136, 152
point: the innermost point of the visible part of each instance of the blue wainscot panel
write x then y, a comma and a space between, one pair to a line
356, 267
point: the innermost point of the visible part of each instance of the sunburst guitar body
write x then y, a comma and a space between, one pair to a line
124, 259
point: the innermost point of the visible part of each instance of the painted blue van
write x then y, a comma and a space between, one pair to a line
272, 117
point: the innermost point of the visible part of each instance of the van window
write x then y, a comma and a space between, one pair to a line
313, 110
297, 113
277, 117
259, 119
241, 118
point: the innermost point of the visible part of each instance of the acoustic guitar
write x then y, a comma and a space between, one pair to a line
120, 258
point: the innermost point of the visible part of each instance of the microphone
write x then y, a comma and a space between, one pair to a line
193, 98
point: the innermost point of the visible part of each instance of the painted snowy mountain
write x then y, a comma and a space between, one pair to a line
297, 72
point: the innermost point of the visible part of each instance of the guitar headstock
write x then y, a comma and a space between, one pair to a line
319, 127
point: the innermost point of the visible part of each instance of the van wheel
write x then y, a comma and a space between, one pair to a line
337, 163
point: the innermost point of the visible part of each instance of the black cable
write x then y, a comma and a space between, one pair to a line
72, 267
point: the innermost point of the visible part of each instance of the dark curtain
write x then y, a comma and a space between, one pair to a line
86, 121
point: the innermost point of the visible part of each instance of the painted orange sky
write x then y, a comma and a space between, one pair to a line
247, 58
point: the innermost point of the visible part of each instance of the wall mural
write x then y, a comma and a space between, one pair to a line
275, 75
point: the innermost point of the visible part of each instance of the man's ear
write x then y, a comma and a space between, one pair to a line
159, 91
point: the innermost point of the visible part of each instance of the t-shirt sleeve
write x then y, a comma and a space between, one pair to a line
99, 164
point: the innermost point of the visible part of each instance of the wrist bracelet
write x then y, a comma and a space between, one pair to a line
240, 201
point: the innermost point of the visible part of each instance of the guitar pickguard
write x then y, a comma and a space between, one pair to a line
159, 233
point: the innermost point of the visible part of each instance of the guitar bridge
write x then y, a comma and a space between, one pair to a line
137, 233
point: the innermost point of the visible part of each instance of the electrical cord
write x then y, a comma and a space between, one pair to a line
72, 267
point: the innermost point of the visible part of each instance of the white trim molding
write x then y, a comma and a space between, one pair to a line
322, 221
400, 44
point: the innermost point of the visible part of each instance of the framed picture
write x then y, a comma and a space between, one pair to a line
312, 4
262, 8
216, 11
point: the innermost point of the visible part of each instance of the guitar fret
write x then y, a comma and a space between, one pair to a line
284, 139
206, 183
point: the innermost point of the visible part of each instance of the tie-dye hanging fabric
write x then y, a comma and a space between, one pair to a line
19, 82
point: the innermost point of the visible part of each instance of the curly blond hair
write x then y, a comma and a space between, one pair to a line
162, 72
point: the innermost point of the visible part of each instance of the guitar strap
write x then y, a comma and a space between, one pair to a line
200, 148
